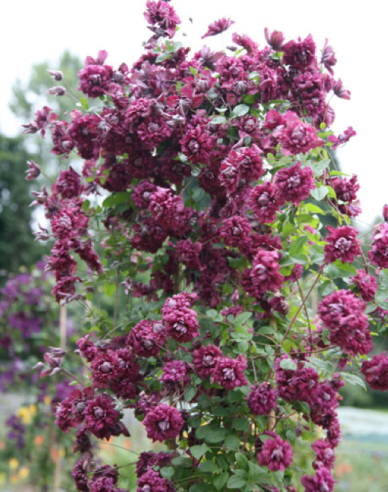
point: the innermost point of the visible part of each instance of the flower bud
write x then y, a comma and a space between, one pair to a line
57, 91
42, 235
385, 213
56, 75
275, 39
33, 170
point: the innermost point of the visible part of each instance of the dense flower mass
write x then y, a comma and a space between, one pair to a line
203, 263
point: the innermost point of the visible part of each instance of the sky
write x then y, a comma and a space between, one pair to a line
32, 32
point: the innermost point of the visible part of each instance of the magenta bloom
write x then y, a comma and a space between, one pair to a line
265, 271
342, 244
261, 399
162, 17
181, 322
299, 54
275, 454
265, 200
296, 136
163, 422
325, 456
275, 39
174, 372
376, 372
321, 482
95, 78
296, 385
101, 417
228, 373
188, 253
197, 145
378, 255
343, 313
218, 27
146, 338
365, 284
342, 138
340, 91
204, 360
294, 183
151, 481
328, 58
235, 230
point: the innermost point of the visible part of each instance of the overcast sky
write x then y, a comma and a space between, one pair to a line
34, 31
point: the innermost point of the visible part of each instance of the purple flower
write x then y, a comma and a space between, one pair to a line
325, 456
328, 58
163, 422
365, 285
151, 481
162, 18
294, 183
376, 372
343, 313
181, 322
275, 454
146, 338
218, 27
378, 255
321, 482
101, 417
228, 373
265, 275
342, 244
299, 54
204, 360
275, 39
262, 399
296, 136
235, 231
33, 170
265, 200
340, 91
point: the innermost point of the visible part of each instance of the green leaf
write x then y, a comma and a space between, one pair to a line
167, 471
84, 103
199, 450
353, 379
212, 436
190, 392
314, 209
297, 246
240, 110
237, 481
231, 442
220, 480
242, 318
218, 120
319, 167
288, 229
85, 205
383, 279
242, 461
340, 270
319, 193
109, 289
209, 467
181, 461
288, 365
255, 472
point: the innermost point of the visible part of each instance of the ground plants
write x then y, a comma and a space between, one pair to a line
206, 184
